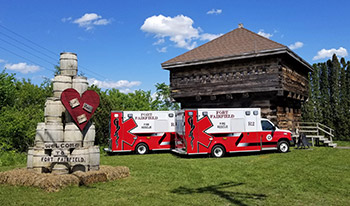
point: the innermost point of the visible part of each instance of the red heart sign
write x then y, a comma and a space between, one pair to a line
80, 108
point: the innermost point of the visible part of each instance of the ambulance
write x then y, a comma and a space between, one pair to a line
227, 130
141, 131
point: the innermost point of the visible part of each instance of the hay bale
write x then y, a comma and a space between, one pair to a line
114, 173
90, 177
53, 183
48, 182
22, 177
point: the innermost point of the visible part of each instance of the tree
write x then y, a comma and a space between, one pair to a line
344, 103
163, 98
325, 96
22, 107
7, 89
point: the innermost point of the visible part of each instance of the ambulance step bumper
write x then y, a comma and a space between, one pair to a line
179, 151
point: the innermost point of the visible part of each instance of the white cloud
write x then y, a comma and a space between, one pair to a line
209, 37
126, 91
296, 45
178, 29
160, 41
328, 53
121, 84
266, 35
22, 67
215, 11
101, 22
162, 50
89, 21
66, 19
2, 61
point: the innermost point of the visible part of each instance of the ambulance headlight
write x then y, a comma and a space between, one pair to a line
255, 113
190, 113
130, 115
205, 113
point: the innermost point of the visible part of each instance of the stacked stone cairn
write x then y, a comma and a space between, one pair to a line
60, 147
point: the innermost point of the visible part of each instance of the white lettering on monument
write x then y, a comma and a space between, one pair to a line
63, 145
62, 159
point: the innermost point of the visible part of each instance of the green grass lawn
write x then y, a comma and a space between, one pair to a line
320, 176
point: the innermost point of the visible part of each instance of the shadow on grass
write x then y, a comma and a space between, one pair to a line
233, 197
227, 155
133, 153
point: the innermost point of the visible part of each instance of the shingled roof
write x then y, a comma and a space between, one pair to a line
237, 44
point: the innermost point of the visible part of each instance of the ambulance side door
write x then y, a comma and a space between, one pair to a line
266, 135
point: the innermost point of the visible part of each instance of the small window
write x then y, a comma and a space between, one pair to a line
205, 113
267, 126
255, 113
130, 115
247, 113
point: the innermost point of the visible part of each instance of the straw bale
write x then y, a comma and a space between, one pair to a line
114, 173
53, 182
90, 177
48, 182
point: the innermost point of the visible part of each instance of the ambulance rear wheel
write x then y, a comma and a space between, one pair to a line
283, 146
218, 151
141, 148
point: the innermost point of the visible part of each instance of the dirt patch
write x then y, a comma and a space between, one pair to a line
53, 183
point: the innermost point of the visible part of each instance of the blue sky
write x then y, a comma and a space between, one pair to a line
121, 44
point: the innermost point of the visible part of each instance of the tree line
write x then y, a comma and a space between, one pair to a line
329, 96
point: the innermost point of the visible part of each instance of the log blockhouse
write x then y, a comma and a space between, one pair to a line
242, 69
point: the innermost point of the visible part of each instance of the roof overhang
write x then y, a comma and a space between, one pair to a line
283, 50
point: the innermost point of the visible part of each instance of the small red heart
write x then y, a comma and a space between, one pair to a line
80, 108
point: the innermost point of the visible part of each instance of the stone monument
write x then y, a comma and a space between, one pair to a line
64, 143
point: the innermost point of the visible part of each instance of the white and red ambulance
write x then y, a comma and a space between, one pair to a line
141, 131
227, 130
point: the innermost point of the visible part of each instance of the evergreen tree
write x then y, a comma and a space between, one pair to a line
325, 96
316, 94
308, 107
343, 126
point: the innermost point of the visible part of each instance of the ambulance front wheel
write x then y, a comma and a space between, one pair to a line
141, 148
218, 151
283, 146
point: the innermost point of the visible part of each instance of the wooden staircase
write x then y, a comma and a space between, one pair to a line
317, 132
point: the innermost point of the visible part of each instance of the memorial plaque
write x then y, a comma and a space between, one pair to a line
88, 107
74, 103
81, 118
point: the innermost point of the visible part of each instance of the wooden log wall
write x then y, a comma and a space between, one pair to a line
295, 82
222, 78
